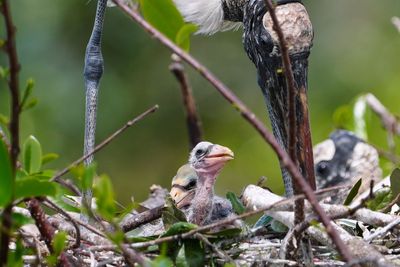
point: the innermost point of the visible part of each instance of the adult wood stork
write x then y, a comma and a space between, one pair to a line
262, 46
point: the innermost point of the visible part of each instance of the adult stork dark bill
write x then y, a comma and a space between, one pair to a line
262, 46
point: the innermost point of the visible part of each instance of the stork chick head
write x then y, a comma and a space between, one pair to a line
184, 186
343, 159
208, 159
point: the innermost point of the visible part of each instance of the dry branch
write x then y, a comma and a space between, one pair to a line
257, 198
57, 177
193, 122
13, 84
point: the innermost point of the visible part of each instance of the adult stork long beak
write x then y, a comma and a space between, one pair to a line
263, 48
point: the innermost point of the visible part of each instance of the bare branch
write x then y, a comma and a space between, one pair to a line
192, 118
13, 84
57, 177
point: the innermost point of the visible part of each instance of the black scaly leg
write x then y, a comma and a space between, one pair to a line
92, 72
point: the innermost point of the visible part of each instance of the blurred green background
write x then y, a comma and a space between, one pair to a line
356, 49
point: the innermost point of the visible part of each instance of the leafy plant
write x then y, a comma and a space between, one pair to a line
164, 16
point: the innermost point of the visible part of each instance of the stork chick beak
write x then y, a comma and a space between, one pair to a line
181, 197
219, 155
178, 192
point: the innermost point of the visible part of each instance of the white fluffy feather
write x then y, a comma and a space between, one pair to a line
207, 14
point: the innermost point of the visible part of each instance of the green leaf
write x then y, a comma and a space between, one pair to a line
226, 233
27, 93
88, 176
19, 220
15, 255
30, 104
278, 227
31, 186
59, 242
32, 155
343, 118
263, 221
162, 261
381, 200
4, 72
194, 253
171, 214
163, 15
236, 203
183, 36
6, 177
104, 194
395, 182
179, 228
353, 192
4, 119
49, 157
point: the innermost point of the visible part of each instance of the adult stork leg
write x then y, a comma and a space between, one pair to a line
92, 73
262, 46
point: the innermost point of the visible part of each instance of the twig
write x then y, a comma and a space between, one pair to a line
248, 115
390, 205
69, 218
13, 84
389, 121
277, 205
141, 218
132, 257
382, 231
388, 155
45, 228
301, 227
57, 177
192, 118
259, 198
291, 87
292, 94
221, 253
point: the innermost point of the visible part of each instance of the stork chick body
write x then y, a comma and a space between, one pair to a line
193, 186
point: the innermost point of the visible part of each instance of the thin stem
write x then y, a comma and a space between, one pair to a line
57, 177
13, 84
192, 118
250, 117
69, 218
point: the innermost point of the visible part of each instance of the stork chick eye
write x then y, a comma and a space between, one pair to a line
190, 185
322, 168
200, 152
